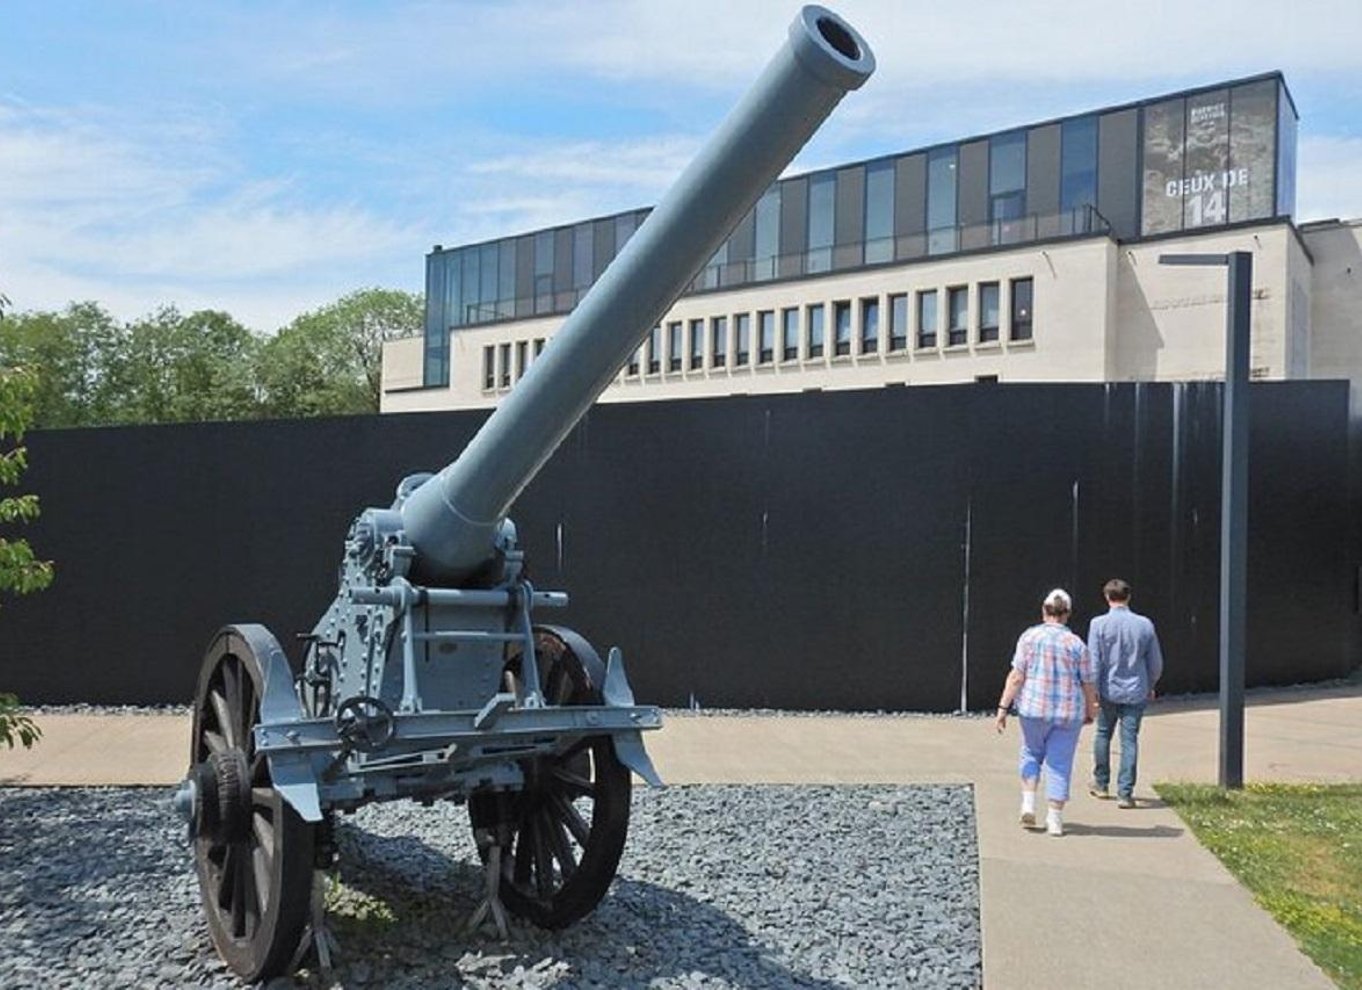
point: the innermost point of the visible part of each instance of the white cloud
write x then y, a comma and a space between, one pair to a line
140, 216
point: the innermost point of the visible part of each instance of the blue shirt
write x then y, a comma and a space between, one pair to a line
1125, 652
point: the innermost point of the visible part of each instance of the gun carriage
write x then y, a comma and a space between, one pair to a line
429, 677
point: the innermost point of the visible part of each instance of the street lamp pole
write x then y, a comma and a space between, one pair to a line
1233, 505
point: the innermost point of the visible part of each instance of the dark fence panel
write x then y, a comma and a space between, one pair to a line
853, 550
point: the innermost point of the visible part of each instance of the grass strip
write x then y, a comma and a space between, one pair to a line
1298, 848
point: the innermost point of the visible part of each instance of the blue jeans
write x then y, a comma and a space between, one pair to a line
1128, 717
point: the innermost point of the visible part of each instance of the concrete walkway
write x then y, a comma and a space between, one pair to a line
1131, 899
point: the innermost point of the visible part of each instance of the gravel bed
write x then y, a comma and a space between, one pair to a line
720, 886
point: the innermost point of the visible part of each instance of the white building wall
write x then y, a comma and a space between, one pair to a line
1336, 302
1102, 312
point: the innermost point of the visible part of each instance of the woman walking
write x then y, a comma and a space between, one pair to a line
1052, 684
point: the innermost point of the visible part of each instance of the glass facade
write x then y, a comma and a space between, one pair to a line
1219, 155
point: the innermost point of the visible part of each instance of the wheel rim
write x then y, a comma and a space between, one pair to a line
254, 868
568, 825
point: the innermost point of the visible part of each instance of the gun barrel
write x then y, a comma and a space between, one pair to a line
452, 520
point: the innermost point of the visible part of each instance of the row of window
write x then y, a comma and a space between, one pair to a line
1212, 157
931, 318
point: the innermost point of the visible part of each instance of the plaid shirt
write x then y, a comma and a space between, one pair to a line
1055, 664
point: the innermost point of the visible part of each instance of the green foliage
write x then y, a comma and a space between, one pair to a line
329, 361
15, 726
1298, 848
20, 571
173, 367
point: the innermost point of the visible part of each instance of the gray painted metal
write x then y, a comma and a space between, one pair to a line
453, 519
1233, 505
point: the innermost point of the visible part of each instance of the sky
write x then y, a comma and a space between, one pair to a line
265, 158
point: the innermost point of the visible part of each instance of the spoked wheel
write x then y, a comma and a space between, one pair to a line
253, 854
562, 835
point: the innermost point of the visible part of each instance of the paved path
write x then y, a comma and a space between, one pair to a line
1133, 900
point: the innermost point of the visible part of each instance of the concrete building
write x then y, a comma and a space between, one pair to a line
1024, 255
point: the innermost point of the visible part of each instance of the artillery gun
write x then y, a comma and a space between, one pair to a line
428, 678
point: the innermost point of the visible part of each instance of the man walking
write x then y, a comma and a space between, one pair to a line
1128, 663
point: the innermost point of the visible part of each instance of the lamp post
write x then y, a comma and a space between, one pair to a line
1233, 505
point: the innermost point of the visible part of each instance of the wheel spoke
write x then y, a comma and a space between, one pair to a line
231, 683
575, 783
562, 848
263, 828
217, 742
568, 815
522, 858
223, 712
543, 861
260, 868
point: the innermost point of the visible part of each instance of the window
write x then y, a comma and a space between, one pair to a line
538, 346
988, 312
870, 326
742, 329
489, 367
674, 346
767, 234
816, 330
543, 272
1021, 308
522, 352
789, 342
1007, 186
697, 344
879, 212
898, 321
718, 332
941, 173
926, 318
505, 356
766, 340
822, 203
957, 316
1077, 173
655, 350
632, 368
583, 256
841, 328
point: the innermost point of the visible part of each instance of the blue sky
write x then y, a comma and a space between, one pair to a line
266, 158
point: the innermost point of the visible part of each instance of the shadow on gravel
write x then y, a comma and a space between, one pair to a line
400, 906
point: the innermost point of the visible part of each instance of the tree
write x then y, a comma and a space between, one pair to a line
20, 572
176, 368
329, 361
69, 353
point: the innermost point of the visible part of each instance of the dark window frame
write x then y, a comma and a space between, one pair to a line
870, 335
742, 340
674, 345
898, 328
841, 341
718, 342
789, 334
697, 345
957, 334
989, 333
927, 339
815, 316
1021, 317
766, 336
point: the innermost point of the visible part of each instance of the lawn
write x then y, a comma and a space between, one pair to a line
1298, 848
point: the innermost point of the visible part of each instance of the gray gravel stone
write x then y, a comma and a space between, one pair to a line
720, 887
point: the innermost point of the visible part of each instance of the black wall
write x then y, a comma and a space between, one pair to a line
800, 551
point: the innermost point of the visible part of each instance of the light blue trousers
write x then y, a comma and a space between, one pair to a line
1051, 745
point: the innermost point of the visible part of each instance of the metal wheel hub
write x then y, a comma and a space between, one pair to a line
221, 788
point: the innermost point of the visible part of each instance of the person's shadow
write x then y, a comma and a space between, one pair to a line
400, 907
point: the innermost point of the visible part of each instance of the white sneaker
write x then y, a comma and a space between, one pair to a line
1054, 824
